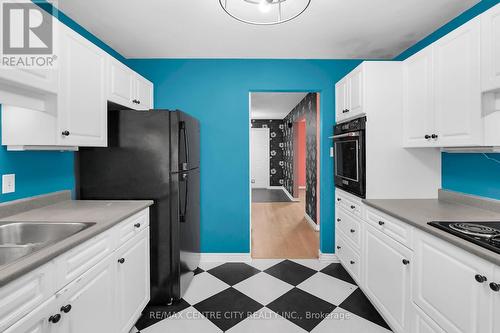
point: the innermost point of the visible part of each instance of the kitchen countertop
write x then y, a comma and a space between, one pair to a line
59, 207
450, 206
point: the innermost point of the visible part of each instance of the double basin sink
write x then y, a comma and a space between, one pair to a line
19, 239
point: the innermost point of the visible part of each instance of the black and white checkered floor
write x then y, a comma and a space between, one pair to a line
268, 296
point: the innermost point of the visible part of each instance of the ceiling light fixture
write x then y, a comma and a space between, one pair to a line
264, 12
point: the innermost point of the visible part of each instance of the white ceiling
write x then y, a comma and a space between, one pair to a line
329, 29
274, 105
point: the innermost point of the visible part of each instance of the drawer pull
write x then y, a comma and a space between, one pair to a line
338, 199
55, 318
495, 286
480, 278
381, 223
339, 247
352, 262
121, 260
406, 261
353, 231
66, 308
338, 220
137, 225
353, 207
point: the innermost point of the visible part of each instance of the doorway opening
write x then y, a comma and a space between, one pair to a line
284, 174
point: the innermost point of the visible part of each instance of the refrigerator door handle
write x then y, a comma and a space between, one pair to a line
185, 166
183, 212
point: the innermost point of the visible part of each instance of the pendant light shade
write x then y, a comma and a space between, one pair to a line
264, 12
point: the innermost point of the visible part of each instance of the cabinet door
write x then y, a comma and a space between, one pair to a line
121, 84
83, 107
37, 321
457, 95
341, 99
40, 79
90, 301
495, 308
418, 107
423, 324
445, 286
356, 92
132, 280
144, 94
387, 277
490, 49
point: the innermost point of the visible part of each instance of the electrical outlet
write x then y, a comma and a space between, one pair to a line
8, 183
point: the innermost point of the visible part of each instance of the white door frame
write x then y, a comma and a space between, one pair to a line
268, 161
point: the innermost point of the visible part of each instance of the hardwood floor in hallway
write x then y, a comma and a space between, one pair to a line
280, 230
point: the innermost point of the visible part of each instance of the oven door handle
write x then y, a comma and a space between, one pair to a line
346, 135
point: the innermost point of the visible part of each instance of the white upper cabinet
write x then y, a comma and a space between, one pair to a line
451, 286
349, 95
82, 107
442, 98
121, 83
418, 99
457, 87
490, 49
127, 88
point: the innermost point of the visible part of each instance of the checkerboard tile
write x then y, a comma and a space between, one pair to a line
268, 296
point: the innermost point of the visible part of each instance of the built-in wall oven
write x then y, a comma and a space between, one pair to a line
350, 156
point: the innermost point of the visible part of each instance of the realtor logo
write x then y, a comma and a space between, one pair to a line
27, 29
27, 34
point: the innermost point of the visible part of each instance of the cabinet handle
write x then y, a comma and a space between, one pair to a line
434, 136
338, 199
381, 223
427, 136
353, 207
406, 261
55, 318
121, 260
353, 231
66, 308
480, 278
495, 286
137, 225
339, 247
339, 220
352, 262
138, 102
65, 133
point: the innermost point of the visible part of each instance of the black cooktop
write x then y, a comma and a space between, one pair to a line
485, 234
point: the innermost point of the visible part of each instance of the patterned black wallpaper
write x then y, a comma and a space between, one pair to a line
282, 153
306, 108
276, 133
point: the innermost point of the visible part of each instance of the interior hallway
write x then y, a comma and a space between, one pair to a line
280, 230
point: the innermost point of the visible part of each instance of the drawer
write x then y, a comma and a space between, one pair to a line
132, 226
390, 226
349, 258
77, 261
25, 294
350, 226
349, 203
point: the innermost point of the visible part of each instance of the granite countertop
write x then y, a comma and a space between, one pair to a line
59, 207
450, 207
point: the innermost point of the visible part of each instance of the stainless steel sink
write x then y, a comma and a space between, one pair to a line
18, 239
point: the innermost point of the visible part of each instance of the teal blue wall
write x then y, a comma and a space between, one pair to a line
467, 173
217, 92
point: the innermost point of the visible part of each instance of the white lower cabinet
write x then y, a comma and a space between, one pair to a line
37, 321
108, 296
387, 268
423, 324
495, 302
90, 301
132, 283
447, 285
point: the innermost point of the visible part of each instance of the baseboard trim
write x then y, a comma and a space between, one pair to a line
332, 257
311, 222
284, 190
225, 257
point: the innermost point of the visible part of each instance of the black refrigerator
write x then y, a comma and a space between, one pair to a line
153, 155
